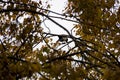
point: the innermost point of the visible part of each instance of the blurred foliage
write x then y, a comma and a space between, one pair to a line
100, 24
27, 52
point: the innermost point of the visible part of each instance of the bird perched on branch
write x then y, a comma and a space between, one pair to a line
63, 38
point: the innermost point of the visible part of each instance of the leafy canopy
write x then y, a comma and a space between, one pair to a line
28, 52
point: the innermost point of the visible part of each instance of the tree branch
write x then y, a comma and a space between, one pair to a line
3, 45
35, 12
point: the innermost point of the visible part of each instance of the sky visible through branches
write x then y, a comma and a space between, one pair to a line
57, 6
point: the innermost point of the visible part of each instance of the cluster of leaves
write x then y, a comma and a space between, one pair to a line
99, 23
94, 55
19, 33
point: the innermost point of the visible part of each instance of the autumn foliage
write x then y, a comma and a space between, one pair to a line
28, 52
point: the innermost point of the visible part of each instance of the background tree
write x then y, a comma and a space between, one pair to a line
94, 55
